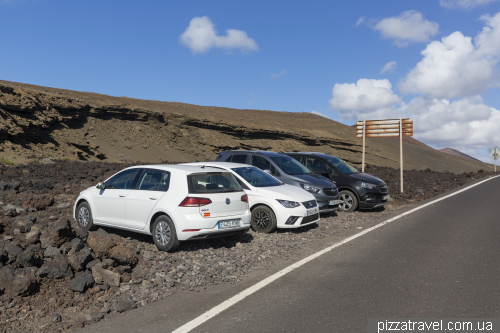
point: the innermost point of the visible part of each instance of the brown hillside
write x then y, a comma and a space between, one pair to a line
40, 122
455, 152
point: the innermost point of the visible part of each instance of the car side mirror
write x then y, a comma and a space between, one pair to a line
268, 172
326, 172
100, 186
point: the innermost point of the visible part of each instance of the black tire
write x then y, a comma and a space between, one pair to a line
263, 220
350, 201
84, 217
164, 234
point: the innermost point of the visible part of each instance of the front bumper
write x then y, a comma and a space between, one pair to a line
373, 200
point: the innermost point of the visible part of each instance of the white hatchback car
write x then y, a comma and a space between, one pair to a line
170, 202
273, 204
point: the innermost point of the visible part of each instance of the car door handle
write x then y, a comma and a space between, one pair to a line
122, 195
153, 198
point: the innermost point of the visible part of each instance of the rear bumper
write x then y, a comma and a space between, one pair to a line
209, 227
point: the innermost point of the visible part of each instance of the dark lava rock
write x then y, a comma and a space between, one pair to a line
79, 258
124, 303
103, 276
4, 186
32, 256
39, 202
60, 233
51, 252
58, 268
21, 223
124, 254
17, 282
101, 242
81, 282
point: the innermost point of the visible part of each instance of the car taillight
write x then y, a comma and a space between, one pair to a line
195, 202
244, 198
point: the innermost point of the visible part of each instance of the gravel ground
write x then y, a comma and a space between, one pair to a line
111, 271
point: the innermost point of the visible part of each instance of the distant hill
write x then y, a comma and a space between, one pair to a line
455, 152
42, 123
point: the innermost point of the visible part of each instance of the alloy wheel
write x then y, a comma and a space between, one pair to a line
261, 219
346, 201
83, 216
162, 233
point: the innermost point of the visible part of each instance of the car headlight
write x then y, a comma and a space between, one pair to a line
367, 185
289, 204
309, 188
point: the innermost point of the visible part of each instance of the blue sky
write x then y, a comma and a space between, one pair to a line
283, 56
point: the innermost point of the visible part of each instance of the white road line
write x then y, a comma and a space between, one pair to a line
249, 291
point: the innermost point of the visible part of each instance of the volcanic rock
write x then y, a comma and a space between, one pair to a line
57, 268
103, 276
102, 242
17, 282
82, 281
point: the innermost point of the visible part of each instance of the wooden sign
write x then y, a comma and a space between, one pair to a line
385, 128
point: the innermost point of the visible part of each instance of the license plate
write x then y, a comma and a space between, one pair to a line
334, 202
385, 197
228, 224
312, 211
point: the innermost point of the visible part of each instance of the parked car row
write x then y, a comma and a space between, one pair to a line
240, 189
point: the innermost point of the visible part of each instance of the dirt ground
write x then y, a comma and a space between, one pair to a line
53, 277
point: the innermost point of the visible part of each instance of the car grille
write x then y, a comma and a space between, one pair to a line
383, 188
331, 192
310, 204
311, 218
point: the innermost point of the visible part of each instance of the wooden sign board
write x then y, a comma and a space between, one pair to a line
385, 128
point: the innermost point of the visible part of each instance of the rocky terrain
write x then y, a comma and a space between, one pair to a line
53, 277
46, 124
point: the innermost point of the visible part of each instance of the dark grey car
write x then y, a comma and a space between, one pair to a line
289, 171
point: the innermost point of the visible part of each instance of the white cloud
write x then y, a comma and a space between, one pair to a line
360, 21
408, 27
463, 4
276, 76
455, 66
389, 67
466, 124
320, 114
201, 36
364, 99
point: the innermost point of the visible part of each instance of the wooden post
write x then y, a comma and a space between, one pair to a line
363, 158
401, 150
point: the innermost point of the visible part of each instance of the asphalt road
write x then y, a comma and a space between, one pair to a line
442, 261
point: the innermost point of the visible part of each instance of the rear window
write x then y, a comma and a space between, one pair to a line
213, 183
237, 159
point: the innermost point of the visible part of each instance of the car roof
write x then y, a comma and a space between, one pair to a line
307, 153
226, 165
258, 152
169, 167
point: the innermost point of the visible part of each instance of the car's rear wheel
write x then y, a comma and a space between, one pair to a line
84, 217
164, 234
348, 201
263, 219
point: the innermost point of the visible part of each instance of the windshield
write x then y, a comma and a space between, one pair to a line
257, 177
341, 165
291, 166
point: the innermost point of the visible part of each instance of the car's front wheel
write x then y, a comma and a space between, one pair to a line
263, 219
164, 234
348, 201
84, 217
